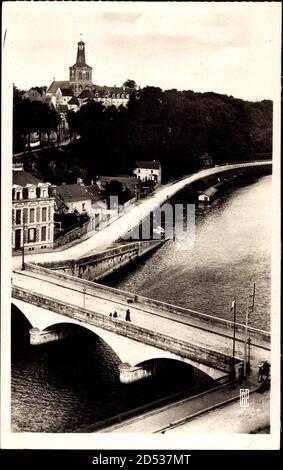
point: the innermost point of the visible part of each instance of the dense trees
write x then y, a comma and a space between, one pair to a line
31, 116
174, 127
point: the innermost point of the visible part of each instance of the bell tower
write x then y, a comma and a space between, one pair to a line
80, 73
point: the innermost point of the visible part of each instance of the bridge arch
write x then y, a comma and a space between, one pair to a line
126, 349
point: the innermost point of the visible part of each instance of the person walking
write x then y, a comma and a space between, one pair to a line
128, 317
260, 372
115, 314
110, 314
266, 369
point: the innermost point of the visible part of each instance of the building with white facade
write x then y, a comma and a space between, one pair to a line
75, 198
32, 212
148, 170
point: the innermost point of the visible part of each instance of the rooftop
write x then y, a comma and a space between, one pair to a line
58, 84
112, 90
210, 191
94, 192
86, 94
66, 91
22, 178
72, 192
151, 165
74, 100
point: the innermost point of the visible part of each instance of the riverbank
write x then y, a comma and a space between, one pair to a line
102, 240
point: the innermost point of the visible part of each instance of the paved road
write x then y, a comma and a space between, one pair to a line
169, 418
99, 241
149, 318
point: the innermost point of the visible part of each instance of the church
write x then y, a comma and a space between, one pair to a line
72, 93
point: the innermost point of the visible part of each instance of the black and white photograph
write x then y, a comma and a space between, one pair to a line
140, 223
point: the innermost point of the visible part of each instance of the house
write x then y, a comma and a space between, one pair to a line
98, 204
148, 170
75, 198
54, 91
32, 212
73, 104
112, 96
205, 161
208, 194
85, 96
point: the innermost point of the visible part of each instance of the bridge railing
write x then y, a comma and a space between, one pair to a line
207, 322
181, 348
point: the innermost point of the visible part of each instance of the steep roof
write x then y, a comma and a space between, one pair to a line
72, 192
86, 94
22, 178
105, 91
58, 84
66, 91
74, 100
94, 192
151, 165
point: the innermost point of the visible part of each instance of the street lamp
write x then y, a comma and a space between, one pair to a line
84, 290
234, 341
248, 367
23, 245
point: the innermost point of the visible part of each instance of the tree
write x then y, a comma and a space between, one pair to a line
130, 83
115, 188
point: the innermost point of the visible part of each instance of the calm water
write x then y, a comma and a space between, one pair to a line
232, 250
69, 385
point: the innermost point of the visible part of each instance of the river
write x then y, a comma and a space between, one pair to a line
69, 385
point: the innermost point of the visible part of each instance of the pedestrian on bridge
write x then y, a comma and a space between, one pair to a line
128, 318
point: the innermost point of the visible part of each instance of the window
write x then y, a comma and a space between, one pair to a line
44, 192
43, 234
31, 215
151, 171
83, 206
122, 96
87, 75
118, 96
18, 195
80, 75
31, 235
32, 193
139, 171
18, 216
44, 214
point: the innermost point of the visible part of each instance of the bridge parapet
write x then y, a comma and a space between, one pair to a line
195, 352
99, 265
198, 319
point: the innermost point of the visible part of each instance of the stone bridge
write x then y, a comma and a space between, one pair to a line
157, 330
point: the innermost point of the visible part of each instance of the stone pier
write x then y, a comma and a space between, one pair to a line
38, 336
130, 374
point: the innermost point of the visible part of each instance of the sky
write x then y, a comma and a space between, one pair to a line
226, 47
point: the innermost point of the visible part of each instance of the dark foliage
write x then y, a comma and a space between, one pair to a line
173, 127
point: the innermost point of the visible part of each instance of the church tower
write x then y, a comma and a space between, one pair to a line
80, 72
